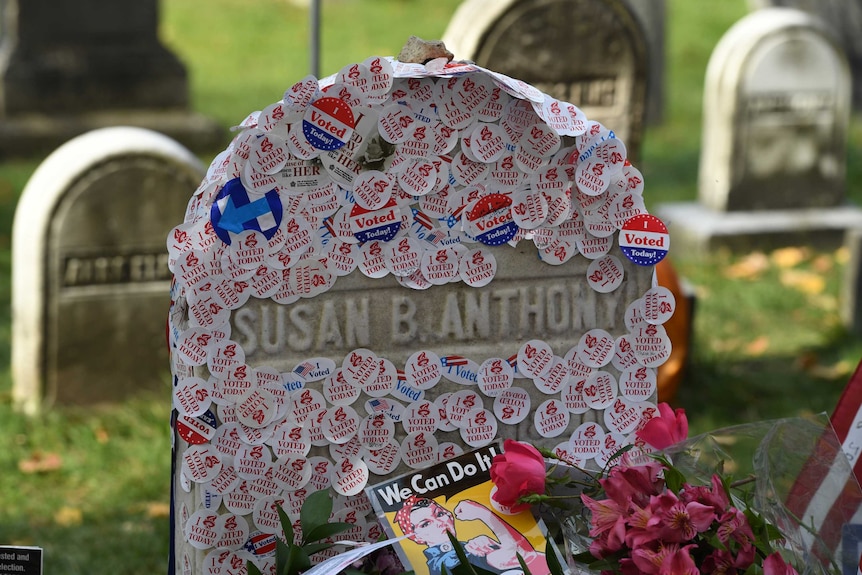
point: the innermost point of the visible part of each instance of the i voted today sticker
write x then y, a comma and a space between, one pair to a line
644, 240
328, 123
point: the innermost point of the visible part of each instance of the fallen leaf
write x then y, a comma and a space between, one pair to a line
806, 282
842, 255
750, 267
158, 509
68, 517
40, 463
839, 370
789, 257
101, 435
822, 264
758, 346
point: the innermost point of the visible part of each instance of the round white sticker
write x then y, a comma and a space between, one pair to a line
551, 418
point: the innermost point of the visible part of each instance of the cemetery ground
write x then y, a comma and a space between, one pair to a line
91, 486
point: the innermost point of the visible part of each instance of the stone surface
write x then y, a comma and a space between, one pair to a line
272, 328
90, 277
776, 109
592, 53
844, 17
697, 229
774, 140
653, 16
61, 60
851, 289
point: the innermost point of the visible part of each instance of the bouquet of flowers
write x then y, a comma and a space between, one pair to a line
672, 506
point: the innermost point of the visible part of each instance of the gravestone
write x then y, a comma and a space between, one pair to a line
592, 53
653, 17
70, 66
773, 156
89, 267
356, 297
845, 19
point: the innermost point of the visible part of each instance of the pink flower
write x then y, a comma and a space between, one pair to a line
722, 561
668, 560
677, 521
634, 484
670, 428
714, 496
517, 472
733, 524
605, 513
775, 565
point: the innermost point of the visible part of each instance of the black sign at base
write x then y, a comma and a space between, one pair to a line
20, 560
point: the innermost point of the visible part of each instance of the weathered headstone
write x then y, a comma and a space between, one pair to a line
364, 288
653, 16
592, 53
845, 19
851, 288
70, 66
89, 267
773, 155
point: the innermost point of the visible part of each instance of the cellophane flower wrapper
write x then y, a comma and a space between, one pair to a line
802, 482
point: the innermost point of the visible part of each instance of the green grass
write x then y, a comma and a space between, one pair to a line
768, 342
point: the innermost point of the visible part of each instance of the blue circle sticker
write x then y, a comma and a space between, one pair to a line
235, 211
644, 239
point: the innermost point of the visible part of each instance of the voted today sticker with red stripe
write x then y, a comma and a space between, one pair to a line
328, 123
644, 239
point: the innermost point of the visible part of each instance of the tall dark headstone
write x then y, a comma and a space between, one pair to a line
67, 66
591, 53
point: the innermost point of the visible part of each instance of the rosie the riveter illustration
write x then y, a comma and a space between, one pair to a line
426, 522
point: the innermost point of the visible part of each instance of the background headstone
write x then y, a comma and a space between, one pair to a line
69, 66
592, 53
653, 16
845, 18
90, 279
851, 294
774, 140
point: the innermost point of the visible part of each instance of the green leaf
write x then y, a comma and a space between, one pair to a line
523, 564
552, 560
315, 512
297, 561
282, 554
674, 479
583, 557
252, 568
286, 525
327, 530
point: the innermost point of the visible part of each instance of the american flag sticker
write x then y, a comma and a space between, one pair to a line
423, 219
303, 369
452, 360
379, 405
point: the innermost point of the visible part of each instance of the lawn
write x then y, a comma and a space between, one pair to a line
91, 487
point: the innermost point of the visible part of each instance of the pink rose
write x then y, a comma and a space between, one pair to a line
517, 472
670, 428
